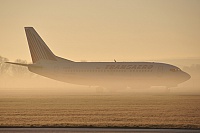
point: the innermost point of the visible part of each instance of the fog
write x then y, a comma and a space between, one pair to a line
30, 100
19, 80
123, 30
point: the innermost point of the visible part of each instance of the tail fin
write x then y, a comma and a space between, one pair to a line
38, 49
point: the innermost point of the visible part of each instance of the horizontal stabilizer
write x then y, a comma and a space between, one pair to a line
26, 65
20, 64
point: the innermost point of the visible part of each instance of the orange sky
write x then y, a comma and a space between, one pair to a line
103, 30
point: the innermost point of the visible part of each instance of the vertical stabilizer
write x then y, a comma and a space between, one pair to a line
38, 49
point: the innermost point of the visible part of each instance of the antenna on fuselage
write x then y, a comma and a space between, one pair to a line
115, 60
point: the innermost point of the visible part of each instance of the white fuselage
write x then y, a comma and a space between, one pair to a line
112, 74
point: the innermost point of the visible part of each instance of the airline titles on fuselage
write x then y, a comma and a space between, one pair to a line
128, 66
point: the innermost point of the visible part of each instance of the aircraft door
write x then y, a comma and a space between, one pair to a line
160, 71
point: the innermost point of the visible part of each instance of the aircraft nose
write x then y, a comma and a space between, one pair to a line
186, 76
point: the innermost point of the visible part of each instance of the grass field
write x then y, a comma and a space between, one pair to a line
91, 110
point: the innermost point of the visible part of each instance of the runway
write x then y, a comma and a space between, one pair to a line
92, 130
106, 111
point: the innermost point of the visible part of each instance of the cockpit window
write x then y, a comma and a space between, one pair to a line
175, 69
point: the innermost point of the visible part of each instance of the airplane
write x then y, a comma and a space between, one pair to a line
100, 74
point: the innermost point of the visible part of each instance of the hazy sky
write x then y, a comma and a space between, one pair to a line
103, 30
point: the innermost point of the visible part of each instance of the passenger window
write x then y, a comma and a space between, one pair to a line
175, 69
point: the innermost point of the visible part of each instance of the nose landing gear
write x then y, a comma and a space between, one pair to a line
168, 88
